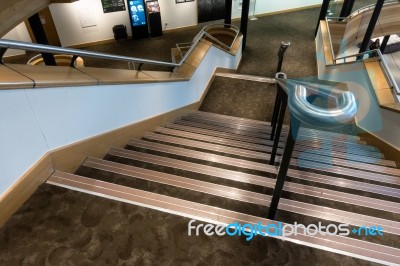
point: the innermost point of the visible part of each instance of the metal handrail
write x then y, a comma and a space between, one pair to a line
11, 44
389, 76
295, 95
358, 11
298, 93
330, 40
385, 67
388, 73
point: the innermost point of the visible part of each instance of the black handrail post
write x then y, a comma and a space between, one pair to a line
283, 167
371, 26
322, 14
279, 124
244, 21
72, 63
384, 43
2, 53
277, 106
281, 54
228, 12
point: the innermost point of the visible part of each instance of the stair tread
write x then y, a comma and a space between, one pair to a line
343, 245
268, 149
262, 156
251, 125
356, 148
259, 180
243, 195
296, 188
344, 153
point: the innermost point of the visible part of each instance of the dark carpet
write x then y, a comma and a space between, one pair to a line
61, 227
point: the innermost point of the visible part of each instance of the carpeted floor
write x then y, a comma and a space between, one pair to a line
61, 227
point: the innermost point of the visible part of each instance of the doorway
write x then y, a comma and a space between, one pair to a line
210, 10
49, 27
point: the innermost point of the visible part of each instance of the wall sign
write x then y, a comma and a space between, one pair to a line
85, 13
113, 5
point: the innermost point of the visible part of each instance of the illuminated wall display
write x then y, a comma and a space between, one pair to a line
113, 5
137, 13
154, 18
152, 7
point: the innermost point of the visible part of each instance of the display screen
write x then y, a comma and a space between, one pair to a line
113, 5
153, 7
137, 13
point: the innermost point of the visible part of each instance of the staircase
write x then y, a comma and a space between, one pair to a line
214, 168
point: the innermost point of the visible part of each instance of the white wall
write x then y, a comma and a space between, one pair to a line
34, 121
67, 21
19, 33
178, 15
66, 17
263, 6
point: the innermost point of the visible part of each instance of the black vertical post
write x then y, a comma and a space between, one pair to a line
244, 21
322, 13
279, 125
281, 54
347, 7
277, 107
228, 12
371, 25
283, 167
384, 43
40, 36
2, 52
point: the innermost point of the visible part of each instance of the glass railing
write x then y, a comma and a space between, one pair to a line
368, 4
362, 56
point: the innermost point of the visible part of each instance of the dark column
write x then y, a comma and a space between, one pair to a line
244, 20
371, 25
346, 8
228, 12
384, 43
322, 13
40, 36
350, 9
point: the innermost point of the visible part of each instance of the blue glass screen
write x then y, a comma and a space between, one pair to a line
137, 13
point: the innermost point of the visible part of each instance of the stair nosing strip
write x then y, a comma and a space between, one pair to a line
263, 128
253, 123
356, 149
298, 147
269, 183
238, 194
263, 156
267, 149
